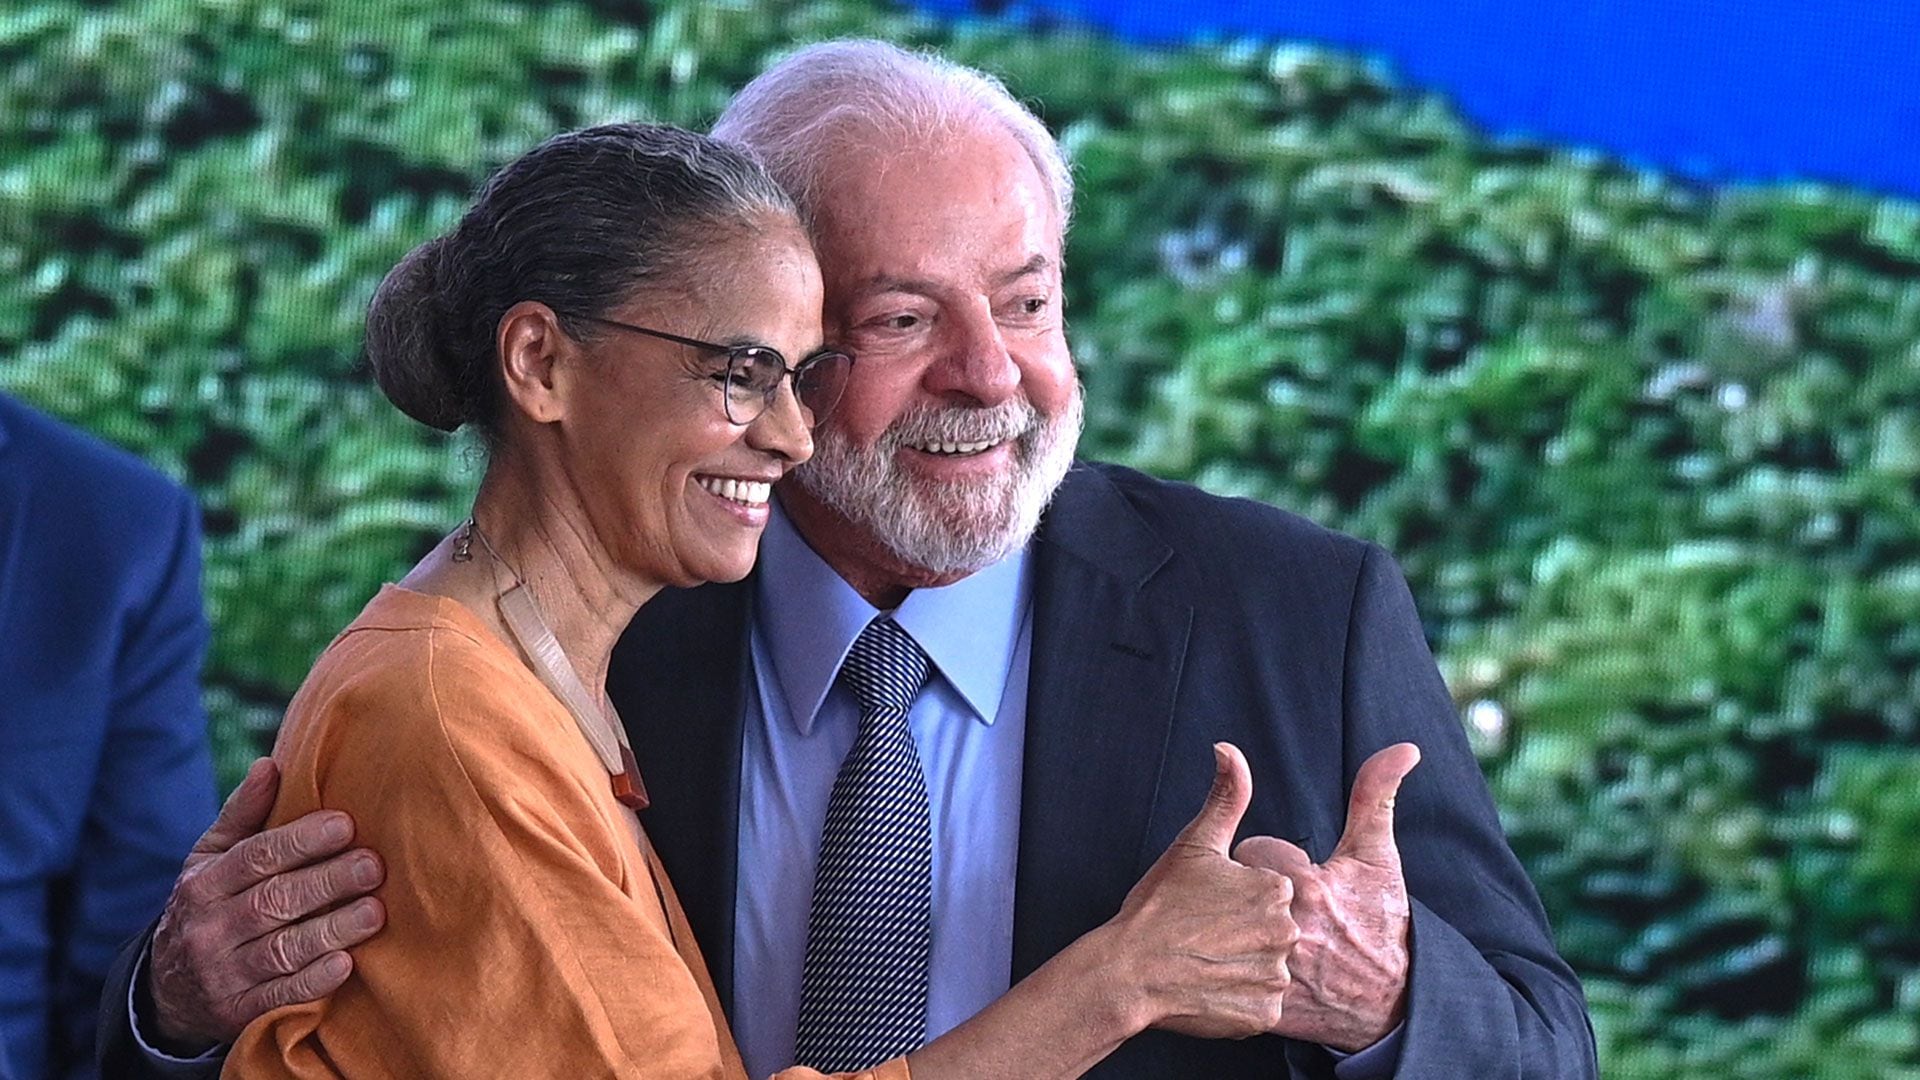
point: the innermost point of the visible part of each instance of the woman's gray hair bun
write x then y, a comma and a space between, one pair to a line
405, 346
579, 223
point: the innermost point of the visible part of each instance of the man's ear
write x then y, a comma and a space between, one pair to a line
532, 348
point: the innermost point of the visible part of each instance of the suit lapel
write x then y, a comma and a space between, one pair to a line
1106, 661
678, 678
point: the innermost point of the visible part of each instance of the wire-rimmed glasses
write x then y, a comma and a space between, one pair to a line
754, 373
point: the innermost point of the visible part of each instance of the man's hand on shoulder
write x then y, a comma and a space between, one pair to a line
1350, 966
258, 920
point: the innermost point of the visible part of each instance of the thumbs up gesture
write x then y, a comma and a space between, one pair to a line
1203, 940
1350, 965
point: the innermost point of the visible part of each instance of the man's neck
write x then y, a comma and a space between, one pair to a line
874, 571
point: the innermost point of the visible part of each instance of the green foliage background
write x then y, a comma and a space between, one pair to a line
1648, 451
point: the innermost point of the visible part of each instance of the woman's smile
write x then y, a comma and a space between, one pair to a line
742, 499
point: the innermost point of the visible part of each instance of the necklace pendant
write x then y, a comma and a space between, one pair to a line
627, 785
463, 544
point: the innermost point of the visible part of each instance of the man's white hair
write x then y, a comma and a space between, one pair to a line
800, 114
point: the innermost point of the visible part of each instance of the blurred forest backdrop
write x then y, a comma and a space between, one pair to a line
1648, 451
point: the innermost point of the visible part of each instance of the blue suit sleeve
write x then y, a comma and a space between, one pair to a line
1375, 1062
154, 790
124, 1052
1490, 996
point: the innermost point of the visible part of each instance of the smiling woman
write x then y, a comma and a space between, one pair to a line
462, 717
506, 324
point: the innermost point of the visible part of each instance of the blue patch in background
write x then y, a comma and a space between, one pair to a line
1714, 89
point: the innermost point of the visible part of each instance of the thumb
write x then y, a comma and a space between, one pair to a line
1219, 817
1369, 833
245, 811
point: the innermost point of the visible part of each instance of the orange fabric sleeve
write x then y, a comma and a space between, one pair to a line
524, 936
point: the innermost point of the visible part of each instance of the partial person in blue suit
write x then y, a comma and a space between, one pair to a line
105, 773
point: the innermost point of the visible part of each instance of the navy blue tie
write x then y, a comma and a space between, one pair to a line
863, 990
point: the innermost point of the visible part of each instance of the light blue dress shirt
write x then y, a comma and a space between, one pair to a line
969, 724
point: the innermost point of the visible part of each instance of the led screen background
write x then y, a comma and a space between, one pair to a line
1645, 441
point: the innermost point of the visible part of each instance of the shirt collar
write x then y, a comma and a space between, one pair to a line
811, 617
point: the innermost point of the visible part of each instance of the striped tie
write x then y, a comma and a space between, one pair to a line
863, 990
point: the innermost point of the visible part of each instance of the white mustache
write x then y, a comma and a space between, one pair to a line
928, 424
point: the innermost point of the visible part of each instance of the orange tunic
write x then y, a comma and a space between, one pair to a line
525, 934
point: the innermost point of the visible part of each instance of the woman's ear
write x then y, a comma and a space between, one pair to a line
533, 348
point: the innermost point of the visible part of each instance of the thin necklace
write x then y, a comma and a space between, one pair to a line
601, 725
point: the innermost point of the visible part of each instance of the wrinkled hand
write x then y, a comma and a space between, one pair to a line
1206, 939
240, 935
1350, 966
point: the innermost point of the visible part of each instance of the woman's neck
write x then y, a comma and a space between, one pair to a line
535, 529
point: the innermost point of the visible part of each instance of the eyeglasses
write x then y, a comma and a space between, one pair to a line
754, 373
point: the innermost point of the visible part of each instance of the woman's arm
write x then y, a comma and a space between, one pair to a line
523, 939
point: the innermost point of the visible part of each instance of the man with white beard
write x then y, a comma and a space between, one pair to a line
947, 528
1091, 632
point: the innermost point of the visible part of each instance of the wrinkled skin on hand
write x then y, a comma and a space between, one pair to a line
1351, 964
258, 920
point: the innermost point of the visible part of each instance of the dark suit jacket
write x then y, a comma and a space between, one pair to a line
105, 776
1166, 619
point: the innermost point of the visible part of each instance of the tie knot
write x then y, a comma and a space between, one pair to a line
885, 669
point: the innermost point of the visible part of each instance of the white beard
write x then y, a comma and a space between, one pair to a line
946, 528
